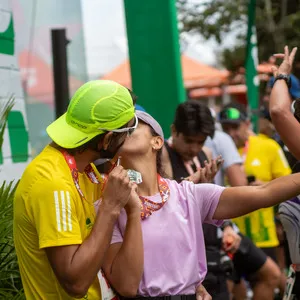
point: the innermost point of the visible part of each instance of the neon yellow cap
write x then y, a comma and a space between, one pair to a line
96, 104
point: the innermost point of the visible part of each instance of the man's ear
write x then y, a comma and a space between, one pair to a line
104, 143
248, 123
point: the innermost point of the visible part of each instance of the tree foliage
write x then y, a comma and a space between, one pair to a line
277, 24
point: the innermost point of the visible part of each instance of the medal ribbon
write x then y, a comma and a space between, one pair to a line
89, 171
148, 206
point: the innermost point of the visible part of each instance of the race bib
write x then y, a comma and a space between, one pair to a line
107, 292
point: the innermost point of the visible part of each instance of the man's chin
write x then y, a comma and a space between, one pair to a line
187, 157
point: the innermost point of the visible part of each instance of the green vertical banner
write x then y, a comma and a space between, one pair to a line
153, 42
252, 79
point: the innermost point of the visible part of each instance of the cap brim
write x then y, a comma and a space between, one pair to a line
67, 136
238, 121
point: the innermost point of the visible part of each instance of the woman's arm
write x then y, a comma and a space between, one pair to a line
124, 262
280, 106
238, 201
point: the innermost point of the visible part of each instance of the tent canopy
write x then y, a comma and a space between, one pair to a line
195, 74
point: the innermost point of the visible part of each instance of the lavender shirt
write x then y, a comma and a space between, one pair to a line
174, 250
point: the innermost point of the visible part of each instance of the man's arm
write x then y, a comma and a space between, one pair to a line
76, 266
232, 160
236, 176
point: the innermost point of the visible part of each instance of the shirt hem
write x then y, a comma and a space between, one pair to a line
63, 242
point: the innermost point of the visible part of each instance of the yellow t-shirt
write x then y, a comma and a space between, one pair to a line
265, 160
48, 212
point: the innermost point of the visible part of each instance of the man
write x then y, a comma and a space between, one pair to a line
183, 155
222, 144
263, 161
60, 242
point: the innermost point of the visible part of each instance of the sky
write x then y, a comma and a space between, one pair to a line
106, 43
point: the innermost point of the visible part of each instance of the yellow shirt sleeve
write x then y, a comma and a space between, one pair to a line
280, 166
54, 213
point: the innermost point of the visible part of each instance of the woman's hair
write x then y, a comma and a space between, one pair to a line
159, 165
193, 117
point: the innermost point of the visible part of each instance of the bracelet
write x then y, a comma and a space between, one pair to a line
284, 77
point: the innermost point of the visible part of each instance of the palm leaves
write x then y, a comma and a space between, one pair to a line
10, 283
5, 108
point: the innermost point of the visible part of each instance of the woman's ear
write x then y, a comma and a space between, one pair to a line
157, 142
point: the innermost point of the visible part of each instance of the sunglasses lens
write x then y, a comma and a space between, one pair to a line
130, 131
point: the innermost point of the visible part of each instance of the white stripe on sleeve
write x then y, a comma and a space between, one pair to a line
57, 210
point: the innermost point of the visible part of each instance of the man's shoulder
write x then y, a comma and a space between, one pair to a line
221, 137
266, 142
46, 169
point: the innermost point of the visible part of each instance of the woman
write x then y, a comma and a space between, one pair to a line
172, 216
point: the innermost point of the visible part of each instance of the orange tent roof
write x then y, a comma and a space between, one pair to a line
216, 91
195, 74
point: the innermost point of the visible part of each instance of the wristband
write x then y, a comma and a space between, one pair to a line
284, 77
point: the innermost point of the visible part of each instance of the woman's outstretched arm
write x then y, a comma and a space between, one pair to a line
238, 201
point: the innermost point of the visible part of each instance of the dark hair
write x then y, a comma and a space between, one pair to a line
192, 118
297, 109
90, 145
134, 97
159, 165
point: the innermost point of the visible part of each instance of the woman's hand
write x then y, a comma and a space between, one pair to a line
287, 63
133, 205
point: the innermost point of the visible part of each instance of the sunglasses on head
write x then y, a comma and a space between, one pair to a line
128, 130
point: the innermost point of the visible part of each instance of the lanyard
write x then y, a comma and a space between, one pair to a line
89, 171
148, 206
245, 151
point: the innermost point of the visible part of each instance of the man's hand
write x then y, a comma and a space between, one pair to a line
202, 294
257, 183
287, 63
117, 190
231, 240
208, 173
